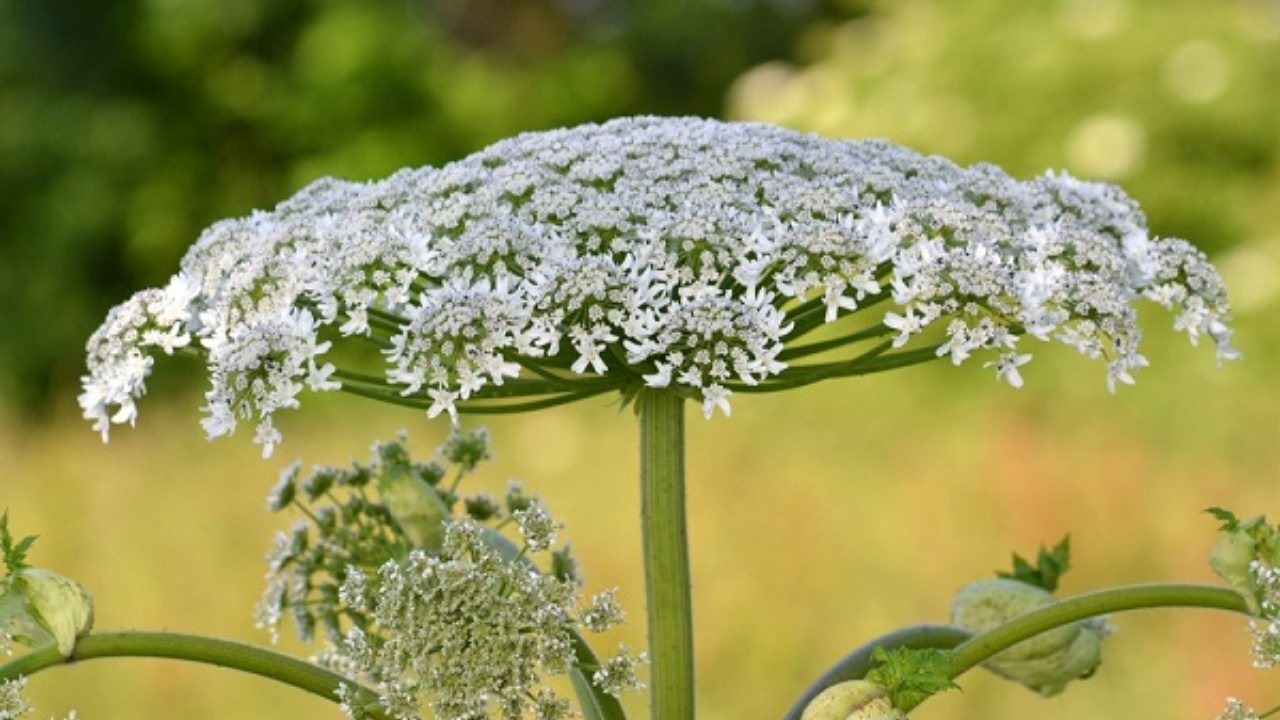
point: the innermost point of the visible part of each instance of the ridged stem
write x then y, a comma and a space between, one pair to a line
666, 555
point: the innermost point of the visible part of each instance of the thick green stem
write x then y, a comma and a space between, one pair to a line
194, 648
974, 652
666, 554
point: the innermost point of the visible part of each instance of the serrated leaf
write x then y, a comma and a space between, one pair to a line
1230, 523
1050, 566
910, 675
15, 553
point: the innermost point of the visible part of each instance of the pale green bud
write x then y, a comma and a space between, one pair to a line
988, 604
852, 700
413, 503
1230, 559
1050, 674
1045, 663
39, 607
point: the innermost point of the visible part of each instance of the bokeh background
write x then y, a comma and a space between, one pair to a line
819, 518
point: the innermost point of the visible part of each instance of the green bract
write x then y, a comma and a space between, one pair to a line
39, 606
1045, 663
1242, 549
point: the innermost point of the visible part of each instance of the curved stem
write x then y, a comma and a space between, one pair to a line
204, 650
666, 555
799, 351
857, 663
470, 408
974, 652
874, 360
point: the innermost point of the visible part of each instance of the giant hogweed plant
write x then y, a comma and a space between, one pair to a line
662, 262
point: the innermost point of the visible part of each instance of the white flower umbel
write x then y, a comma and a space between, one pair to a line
663, 252
471, 635
1236, 710
12, 704
1266, 629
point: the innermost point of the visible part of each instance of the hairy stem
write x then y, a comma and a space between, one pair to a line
972, 653
666, 554
195, 648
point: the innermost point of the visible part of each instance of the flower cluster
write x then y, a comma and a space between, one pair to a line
435, 610
648, 252
1236, 710
1247, 556
356, 516
13, 705
1266, 629
471, 634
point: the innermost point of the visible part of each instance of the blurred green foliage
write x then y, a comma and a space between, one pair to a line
127, 126
1175, 99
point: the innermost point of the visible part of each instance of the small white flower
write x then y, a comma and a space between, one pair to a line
12, 704
906, 324
1266, 643
1007, 367
536, 527
603, 612
618, 674
1236, 710
716, 397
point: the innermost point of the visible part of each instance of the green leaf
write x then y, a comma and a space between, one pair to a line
15, 553
1049, 567
912, 674
1230, 523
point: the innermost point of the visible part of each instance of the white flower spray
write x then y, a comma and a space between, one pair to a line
658, 252
469, 627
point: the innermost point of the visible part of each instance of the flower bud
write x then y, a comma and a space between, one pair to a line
1232, 554
413, 503
1045, 663
852, 700
39, 606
